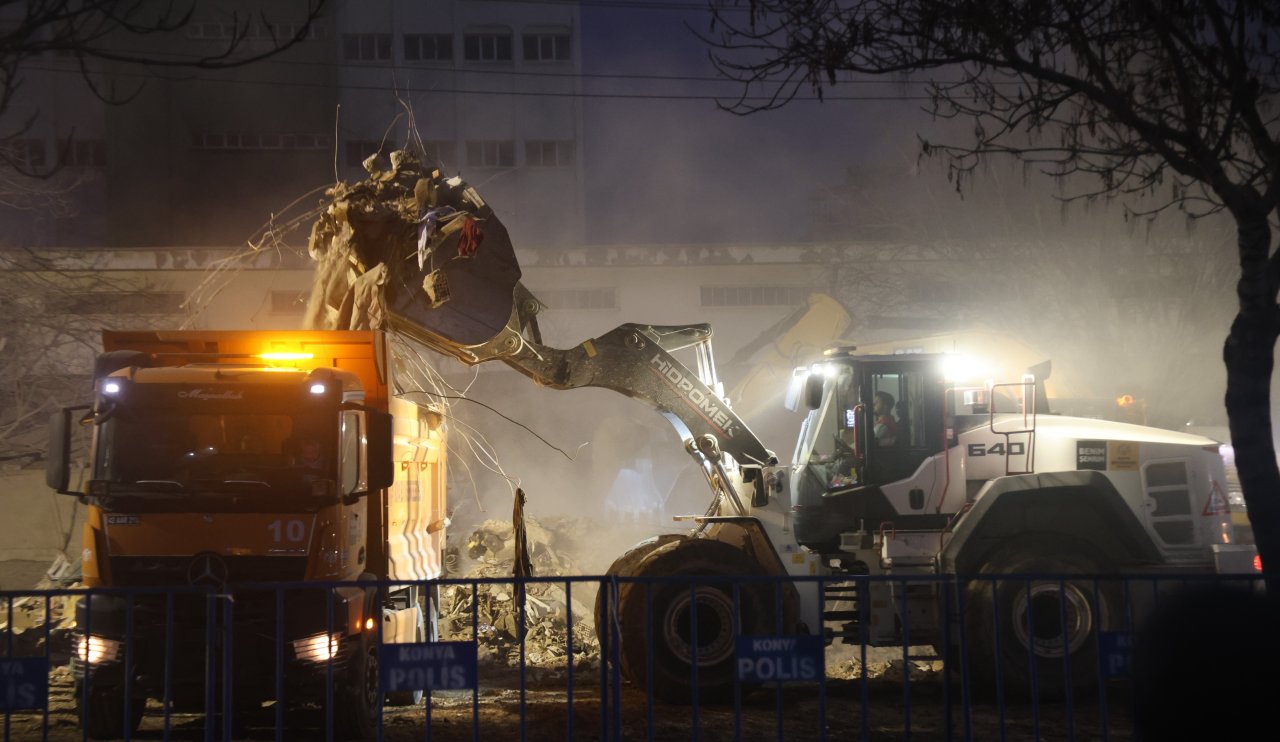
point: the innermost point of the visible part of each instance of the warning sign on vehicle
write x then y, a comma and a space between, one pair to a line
1217, 504
1122, 455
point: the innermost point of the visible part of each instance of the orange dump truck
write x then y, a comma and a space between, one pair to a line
232, 458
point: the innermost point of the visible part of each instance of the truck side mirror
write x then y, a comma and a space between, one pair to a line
365, 452
57, 472
353, 464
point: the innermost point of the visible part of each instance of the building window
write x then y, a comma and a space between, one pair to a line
600, 298
288, 302
26, 153
546, 47
915, 324
754, 296
491, 46
255, 141
359, 149
931, 291
280, 32
85, 153
439, 152
115, 302
428, 47
491, 153
366, 47
435, 152
538, 153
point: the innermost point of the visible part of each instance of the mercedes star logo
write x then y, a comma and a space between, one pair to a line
207, 568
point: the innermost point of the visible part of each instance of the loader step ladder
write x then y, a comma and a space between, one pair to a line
844, 617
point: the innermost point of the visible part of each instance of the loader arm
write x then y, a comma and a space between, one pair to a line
632, 359
422, 254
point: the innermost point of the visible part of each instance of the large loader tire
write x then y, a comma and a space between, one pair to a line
103, 712
623, 566
1042, 634
656, 627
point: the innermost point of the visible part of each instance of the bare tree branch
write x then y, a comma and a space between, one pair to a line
98, 31
1174, 100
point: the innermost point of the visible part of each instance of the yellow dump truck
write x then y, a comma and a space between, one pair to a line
232, 458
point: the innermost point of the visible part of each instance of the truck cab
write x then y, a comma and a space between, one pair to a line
230, 460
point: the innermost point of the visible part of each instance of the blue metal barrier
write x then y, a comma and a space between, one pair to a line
289, 661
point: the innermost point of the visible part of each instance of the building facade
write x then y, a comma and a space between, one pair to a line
211, 157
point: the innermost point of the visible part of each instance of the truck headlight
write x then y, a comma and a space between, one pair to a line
315, 648
97, 650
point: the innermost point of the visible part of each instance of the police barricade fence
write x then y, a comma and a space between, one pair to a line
980, 657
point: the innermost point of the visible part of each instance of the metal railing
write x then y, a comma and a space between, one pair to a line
698, 658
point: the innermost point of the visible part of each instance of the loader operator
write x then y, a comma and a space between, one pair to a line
886, 428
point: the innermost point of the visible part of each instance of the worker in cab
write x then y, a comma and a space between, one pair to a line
309, 454
885, 426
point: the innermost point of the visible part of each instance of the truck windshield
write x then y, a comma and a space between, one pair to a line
185, 450
826, 447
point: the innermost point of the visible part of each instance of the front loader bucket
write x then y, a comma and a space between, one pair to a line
465, 299
411, 248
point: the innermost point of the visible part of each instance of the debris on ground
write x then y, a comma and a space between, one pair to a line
31, 614
892, 670
489, 553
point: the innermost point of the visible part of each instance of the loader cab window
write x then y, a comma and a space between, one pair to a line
876, 423
827, 445
901, 396
898, 422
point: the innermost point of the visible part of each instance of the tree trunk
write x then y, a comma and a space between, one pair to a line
1249, 354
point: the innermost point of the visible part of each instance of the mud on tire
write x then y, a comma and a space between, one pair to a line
654, 618
1038, 633
624, 566
103, 711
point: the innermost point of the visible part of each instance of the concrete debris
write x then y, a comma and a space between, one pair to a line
489, 552
888, 671
32, 613
410, 248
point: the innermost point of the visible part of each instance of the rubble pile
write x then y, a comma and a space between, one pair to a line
489, 552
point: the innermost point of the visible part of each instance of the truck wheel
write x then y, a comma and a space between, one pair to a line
103, 712
355, 712
662, 611
1047, 628
623, 566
